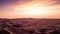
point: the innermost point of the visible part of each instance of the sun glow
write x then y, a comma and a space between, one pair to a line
34, 10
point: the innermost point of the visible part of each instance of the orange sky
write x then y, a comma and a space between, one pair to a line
31, 9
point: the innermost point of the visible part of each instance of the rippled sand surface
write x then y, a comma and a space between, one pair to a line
30, 26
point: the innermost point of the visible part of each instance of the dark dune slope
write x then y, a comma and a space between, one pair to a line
29, 26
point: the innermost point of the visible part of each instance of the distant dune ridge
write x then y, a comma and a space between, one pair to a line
29, 26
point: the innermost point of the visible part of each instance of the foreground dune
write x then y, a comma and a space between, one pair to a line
29, 26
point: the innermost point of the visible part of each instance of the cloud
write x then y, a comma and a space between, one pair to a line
57, 2
8, 2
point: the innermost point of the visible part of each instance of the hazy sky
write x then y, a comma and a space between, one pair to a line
29, 8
